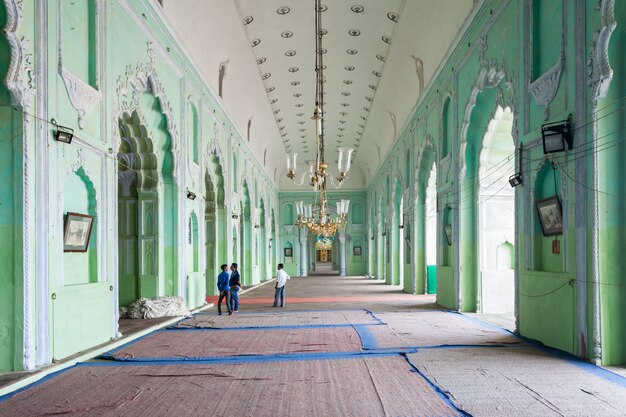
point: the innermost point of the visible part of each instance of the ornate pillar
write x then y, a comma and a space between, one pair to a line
343, 264
304, 264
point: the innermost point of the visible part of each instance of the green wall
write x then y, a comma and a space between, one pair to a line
534, 58
147, 129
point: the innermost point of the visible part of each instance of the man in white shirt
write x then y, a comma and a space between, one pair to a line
281, 280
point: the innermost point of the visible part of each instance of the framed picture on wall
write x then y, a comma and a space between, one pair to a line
550, 215
288, 252
448, 232
77, 232
356, 251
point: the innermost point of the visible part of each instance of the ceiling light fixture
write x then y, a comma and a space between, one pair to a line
318, 219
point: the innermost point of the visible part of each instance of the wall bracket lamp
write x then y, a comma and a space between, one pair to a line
62, 134
191, 195
515, 179
556, 136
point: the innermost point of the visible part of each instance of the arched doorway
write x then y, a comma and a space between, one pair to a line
496, 218
425, 217
430, 245
381, 243
210, 219
263, 263
138, 224
273, 244
397, 237
371, 245
245, 244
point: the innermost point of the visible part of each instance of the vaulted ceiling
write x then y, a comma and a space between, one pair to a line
373, 53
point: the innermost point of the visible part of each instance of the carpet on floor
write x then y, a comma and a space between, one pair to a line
436, 328
363, 386
292, 318
522, 381
195, 345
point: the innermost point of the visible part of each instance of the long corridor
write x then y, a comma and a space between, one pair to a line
340, 347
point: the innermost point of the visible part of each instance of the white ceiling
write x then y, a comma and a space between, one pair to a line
269, 49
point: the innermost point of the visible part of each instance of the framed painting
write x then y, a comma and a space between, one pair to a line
288, 252
77, 232
356, 251
550, 215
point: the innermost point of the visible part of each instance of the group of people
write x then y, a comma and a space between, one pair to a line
229, 285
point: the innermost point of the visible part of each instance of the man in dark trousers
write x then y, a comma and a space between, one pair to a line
235, 287
224, 289
281, 280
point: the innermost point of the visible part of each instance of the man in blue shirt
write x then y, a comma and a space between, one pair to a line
224, 289
235, 287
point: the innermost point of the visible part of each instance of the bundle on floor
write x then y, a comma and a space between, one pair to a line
152, 308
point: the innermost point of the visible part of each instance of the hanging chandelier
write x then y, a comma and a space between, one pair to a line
317, 173
317, 217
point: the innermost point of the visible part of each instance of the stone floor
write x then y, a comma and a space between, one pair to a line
459, 365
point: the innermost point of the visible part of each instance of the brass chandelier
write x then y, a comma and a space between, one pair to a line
318, 219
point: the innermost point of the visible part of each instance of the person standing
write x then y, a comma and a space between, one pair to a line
281, 280
235, 287
224, 289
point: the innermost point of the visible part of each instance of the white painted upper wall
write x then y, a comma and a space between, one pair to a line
214, 33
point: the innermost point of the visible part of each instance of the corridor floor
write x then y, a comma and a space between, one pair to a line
340, 347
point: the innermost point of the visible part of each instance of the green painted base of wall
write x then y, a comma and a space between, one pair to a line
82, 318
545, 315
407, 281
357, 268
7, 301
445, 281
613, 297
196, 290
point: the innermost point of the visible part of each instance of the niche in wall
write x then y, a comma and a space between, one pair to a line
546, 33
357, 213
79, 39
194, 256
192, 129
446, 126
79, 196
547, 183
446, 248
288, 214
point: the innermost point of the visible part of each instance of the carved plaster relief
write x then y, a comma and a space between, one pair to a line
82, 96
544, 88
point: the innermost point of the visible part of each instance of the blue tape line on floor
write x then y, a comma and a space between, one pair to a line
371, 313
444, 395
34, 384
368, 341
279, 357
484, 324
586, 366
286, 327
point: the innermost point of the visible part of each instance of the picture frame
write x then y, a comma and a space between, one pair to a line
77, 232
550, 215
288, 252
356, 251
447, 229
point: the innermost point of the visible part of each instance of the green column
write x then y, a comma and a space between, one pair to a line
468, 244
612, 203
419, 247
394, 277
